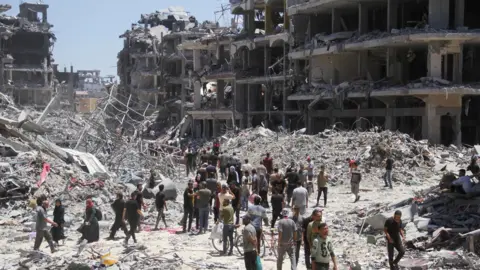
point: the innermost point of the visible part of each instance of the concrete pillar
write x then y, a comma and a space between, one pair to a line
391, 62
438, 13
458, 66
216, 126
362, 18
268, 20
220, 93
196, 60
336, 24
286, 18
205, 127
250, 22
459, 13
389, 118
362, 62
44, 16
197, 97
45, 72
434, 61
221, 54
458, 127
431, 124
392, 14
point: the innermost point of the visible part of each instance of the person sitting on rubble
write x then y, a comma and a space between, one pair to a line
463, 184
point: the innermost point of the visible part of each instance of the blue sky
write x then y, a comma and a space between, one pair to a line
87, 31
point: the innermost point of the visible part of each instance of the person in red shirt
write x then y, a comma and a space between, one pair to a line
268, 163
352, 164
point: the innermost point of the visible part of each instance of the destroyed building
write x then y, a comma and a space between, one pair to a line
152, 69
26, 52
404, 65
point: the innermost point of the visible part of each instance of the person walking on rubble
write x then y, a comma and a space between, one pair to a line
161, 206
322, 250
41, 226
300, 198
298, 219
287, 237
307, 225
322, 185
258, 214
132, 213
203, 196
188, 207
388, 172
250, 245
293, 180
91, 229
394, 233
268, 163
59, 218
118, 205
355, 183
226, 215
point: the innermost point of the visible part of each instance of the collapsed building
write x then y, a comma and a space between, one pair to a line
26, 54
153, 71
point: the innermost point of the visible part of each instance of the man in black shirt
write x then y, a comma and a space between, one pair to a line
394, 234
236, 201
188, 207
473, 167
278, 203
132, 213
388, 172
118, 205
161, 205
293, 179
211, 169
316, 215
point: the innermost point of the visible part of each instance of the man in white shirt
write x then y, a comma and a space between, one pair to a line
225, 194
463, 184
300, 198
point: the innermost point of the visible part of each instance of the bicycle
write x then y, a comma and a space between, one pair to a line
272, 244
218, 243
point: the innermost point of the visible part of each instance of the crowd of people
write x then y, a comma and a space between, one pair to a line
223, 186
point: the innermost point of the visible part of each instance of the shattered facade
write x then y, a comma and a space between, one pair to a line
26, 50
402, 65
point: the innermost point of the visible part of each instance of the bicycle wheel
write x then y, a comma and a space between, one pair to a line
239, 244
218, 244
262, 246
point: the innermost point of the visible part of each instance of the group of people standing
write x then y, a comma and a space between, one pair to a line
288, 192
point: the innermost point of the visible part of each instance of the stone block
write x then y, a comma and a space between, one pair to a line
421, 223
378, 221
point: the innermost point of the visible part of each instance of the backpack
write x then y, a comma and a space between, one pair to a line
98, 214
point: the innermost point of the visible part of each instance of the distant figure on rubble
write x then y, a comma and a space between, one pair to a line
268, 163
394, 233
161, 206
118, 205
132, 213
352, 164
388, 172
292, 178
59, 218
91, 229
41, 225
216, 147
278, 182
322, 185
355, 183
222, 164
187, 208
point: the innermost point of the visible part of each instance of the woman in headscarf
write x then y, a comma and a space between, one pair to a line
91, 230
58, 217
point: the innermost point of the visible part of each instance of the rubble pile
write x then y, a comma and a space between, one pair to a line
414, 159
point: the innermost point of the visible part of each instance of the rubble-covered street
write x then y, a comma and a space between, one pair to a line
435, 240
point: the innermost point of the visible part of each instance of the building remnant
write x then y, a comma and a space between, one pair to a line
26, 54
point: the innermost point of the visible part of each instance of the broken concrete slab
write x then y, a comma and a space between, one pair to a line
378, 221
